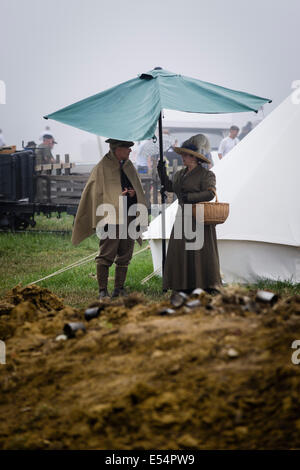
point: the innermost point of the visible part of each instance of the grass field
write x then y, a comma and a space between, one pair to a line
29, 256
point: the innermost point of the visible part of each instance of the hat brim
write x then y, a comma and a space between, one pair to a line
131, 144
181, 150
120, 143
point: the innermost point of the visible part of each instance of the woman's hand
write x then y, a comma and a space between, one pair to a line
183, 197
161, 169
200, 196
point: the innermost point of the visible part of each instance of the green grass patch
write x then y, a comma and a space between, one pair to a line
27, 257
280, 287
55, 222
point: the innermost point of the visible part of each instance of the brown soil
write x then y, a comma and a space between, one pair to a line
217, 377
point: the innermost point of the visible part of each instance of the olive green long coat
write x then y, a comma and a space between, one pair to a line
188, 269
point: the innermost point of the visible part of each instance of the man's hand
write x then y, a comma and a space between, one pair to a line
131, 192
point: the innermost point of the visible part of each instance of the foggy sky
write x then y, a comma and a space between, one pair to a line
55, 52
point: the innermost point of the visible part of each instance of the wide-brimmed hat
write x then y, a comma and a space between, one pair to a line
191, 150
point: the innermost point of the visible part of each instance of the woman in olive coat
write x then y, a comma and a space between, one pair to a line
185, 269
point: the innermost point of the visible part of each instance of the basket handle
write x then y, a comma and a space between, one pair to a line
214, 191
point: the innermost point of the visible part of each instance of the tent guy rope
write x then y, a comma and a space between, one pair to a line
80, 262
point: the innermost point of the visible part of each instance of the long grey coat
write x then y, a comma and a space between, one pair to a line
188, 269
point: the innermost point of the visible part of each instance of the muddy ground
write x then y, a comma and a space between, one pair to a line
216, 377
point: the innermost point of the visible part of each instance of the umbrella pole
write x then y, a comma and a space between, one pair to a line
163, 195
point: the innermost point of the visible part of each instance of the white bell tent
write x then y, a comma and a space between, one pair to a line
260, 178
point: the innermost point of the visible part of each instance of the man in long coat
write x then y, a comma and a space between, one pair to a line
115, 182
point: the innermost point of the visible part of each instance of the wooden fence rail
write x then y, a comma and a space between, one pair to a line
56, 184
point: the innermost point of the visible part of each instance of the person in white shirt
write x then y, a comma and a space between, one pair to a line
47, 131
143, 159
229, 142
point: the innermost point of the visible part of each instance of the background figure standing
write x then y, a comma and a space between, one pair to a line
148, 153
47, 130
245, 130
171, 155
228, 142
43, 151
43, 155
143, 162
31, 145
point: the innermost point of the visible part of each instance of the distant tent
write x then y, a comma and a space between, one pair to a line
260, 179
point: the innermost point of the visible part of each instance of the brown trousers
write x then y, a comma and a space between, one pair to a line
115, 250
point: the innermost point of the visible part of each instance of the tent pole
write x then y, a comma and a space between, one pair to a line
163, 194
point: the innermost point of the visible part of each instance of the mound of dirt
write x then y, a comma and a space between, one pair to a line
218, 376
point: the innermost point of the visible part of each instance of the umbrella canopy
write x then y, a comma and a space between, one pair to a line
130, 111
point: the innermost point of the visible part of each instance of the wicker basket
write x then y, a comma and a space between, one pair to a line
214, 212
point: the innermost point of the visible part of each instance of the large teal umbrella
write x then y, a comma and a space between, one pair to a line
131, 110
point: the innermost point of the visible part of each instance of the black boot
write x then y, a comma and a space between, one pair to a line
119, 293
102, 278
103, 294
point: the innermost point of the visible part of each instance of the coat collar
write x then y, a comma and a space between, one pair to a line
197, 169
111, 156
